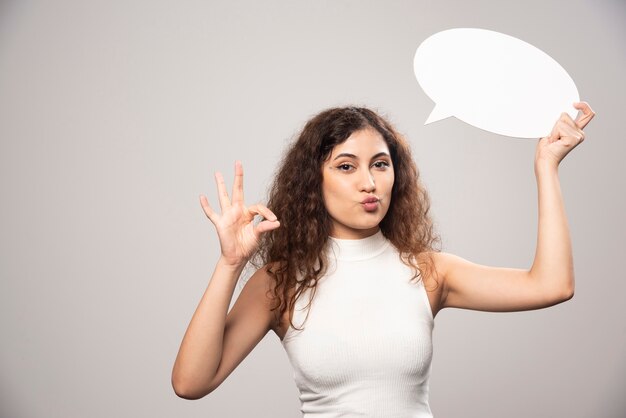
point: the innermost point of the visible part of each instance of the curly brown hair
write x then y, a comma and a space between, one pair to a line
293, 254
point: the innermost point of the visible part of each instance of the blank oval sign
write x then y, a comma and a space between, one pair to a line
494, 82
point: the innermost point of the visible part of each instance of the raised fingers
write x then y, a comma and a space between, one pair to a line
221, 191
238, 184
208, 211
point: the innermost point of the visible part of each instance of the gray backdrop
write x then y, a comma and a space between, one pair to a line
114, 116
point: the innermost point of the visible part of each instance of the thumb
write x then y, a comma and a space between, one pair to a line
266, 226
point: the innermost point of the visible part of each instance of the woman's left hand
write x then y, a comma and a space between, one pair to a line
565, 136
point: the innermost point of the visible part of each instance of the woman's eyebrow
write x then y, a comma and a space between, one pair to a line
347, 154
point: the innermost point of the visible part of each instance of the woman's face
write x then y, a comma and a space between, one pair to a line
357, 180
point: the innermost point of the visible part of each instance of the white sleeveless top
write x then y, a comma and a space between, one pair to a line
366, 347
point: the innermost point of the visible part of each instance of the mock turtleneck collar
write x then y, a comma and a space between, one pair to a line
358, 249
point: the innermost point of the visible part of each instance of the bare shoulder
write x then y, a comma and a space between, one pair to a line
262, 284
434, 277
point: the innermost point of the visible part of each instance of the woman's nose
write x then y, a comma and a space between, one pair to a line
367, 182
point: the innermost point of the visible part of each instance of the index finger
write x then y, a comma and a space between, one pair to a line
586, 116
238, 184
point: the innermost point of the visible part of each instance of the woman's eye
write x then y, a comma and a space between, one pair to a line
349, 167
344, 167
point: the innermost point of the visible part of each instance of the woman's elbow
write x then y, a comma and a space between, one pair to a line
184, 390
565, 294
569, 294
556, 295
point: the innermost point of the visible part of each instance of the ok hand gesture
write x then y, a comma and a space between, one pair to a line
565, 136
239, 237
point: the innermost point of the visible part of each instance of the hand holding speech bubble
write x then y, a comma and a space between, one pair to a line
494, 82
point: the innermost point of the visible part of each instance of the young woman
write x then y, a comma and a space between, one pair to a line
350, 278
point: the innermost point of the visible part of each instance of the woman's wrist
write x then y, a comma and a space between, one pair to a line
546, 166
234, 266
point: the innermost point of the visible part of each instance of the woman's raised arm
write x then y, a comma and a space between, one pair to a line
550, 280
216, 342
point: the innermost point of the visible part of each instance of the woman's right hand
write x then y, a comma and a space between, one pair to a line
239, 237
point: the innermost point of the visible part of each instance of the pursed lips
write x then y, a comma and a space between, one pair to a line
371, 199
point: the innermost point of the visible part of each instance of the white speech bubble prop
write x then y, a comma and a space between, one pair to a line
494, 82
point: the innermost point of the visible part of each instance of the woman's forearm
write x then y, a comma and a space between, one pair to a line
553, 264
200, 352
